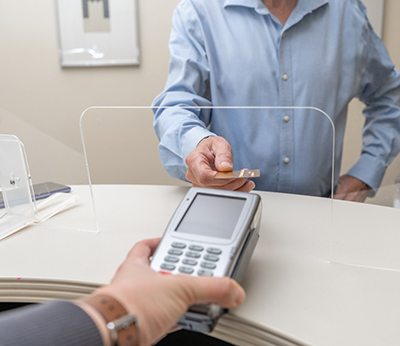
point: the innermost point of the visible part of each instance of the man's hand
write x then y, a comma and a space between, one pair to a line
212, 155
351, 189
158, 301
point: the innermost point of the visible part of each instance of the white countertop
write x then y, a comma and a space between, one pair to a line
292, 286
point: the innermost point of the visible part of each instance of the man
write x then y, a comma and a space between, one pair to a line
282, 53
155, 301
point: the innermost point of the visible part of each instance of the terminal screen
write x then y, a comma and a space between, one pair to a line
212, 216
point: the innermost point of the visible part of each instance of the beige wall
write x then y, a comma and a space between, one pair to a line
41, 102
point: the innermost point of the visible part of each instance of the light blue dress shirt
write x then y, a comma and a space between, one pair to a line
236, 53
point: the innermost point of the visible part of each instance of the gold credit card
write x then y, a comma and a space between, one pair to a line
243, 173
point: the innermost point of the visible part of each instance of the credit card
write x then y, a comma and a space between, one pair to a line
243, 173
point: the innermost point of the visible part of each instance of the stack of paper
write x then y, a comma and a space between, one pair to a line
46, 208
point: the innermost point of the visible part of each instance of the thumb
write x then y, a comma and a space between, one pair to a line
223, 155
222, 291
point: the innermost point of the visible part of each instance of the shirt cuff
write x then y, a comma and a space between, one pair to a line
55, 323
369, 170
192, 138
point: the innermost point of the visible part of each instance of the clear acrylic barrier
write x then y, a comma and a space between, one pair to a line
51, 160
18, 207
368, 234
121, 148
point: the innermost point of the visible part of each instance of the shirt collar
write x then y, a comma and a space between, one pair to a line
305, 6
244, 3
308, 6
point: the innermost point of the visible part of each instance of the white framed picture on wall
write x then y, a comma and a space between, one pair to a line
97, 32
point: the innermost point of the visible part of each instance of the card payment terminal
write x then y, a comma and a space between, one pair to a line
212, 233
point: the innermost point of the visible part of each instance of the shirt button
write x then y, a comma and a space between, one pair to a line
286, 118
286, 160
285, 77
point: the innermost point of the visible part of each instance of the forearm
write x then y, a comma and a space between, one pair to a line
55, 323
381, 135
180, 124
179, 135
182, 112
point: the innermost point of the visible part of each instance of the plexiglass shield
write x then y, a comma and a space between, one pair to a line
366, 234
301, 157
295, 153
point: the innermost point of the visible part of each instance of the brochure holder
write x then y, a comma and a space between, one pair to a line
18, 206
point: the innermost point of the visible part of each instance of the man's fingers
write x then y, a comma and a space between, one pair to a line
143, 250
223, 154
351, 189
247, 187
200, 173
222, 291
199, 170
358, 196
339, 196
212, 155
223, 163
238, 184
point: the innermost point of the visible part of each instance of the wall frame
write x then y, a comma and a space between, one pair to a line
97, 32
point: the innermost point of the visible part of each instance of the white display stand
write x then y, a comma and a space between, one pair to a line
18, 207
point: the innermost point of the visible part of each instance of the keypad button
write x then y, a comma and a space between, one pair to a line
196, 248
186, 270
178, 245
189, 262
202, 272
167, 266
171, 259
214, 251
192, 254
175, 252
208, 265
211, 258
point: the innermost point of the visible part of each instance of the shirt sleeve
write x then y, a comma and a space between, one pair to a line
179, 124
56, 323
380, 92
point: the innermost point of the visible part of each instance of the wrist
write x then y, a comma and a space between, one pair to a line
201, 140
97, 319
116, 325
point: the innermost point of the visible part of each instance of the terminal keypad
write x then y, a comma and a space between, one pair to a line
189, 262
167, 266
171, 259
175, 252
208, 265
192, 254
196, 259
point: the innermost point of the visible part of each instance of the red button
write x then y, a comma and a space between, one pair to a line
165, 273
